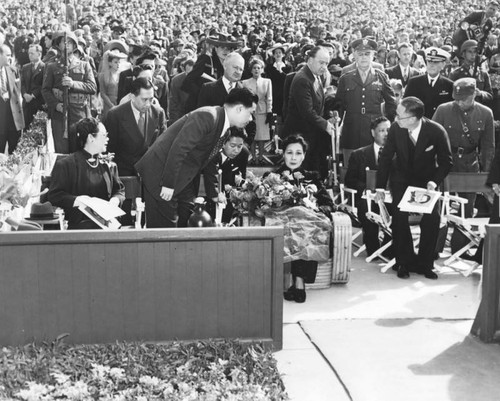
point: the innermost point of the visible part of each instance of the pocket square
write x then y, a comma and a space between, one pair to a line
429, 148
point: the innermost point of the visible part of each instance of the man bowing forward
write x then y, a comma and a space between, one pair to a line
170, 168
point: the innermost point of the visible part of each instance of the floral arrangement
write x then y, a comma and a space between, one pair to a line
18, 172
202, 371
257, 195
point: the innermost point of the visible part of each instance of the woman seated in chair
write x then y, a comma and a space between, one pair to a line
304, 271
85, 174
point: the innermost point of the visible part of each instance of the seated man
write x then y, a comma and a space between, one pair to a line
362, 158
232, 160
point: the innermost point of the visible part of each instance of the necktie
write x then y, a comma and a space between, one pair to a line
319, 85
432, 82
405, 75
379, 153
141, 123
363, 75
219, 144
411, 137
3, 83
231, 87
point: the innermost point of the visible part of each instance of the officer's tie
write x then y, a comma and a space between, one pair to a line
379, 153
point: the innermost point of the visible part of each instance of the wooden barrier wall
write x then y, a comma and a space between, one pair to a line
148, 285
487, 322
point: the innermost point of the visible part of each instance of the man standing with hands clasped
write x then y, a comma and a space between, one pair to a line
170, 168
423, 159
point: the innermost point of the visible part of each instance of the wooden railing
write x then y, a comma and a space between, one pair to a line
150, 285
487, 322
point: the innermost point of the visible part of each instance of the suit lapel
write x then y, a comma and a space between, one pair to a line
131, 125
370, 157
422, 139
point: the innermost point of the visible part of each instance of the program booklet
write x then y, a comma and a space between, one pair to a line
102, 213
419, 200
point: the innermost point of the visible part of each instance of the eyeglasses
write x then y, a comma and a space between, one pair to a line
402, 118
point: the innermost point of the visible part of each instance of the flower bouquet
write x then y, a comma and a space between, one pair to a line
21, 172
258, 195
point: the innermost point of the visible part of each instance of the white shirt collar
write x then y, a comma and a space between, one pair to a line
376, 148
226, 83
416, 132
432, 79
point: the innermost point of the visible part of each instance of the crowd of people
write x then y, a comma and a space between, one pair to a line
175, 82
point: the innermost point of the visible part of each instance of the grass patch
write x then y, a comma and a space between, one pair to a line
202, 370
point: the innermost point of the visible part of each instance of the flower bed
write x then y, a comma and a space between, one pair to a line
208, 370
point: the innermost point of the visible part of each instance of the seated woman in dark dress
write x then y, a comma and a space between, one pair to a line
303, 271
84, 174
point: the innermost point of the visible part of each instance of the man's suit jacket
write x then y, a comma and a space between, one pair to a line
122, 86
396, 73
177, 98
31, 83
286, 92
179, 155
431, 161
125, 139
214, 93
15, 99
355, 177
305, 107
432, 97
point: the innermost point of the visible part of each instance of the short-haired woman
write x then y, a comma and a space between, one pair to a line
84, 174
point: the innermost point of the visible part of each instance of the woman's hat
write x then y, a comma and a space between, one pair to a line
119, 45
282, 46
219, 39
43, 212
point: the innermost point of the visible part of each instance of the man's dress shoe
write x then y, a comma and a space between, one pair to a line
403, 272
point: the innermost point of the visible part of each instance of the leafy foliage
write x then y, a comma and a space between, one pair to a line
203, 370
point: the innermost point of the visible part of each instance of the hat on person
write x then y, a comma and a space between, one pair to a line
95, 28
69, 35
219, 39
118, 29
463, 88
114, 22
495, 61
283, 46
364, 44
436, 54
116, 44
468, 44
42, 212
195, 32
176, 43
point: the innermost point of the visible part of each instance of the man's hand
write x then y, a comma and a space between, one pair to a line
496, 189
28, 98
166, 193
431, 186
59, 107
379, 195
67, 81
221, 198
330, 128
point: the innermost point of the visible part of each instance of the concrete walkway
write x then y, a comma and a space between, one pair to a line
380, 338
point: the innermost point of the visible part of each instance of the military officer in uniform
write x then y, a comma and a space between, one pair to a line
484, 91
432, 88
360, 95
81, 84
470, 128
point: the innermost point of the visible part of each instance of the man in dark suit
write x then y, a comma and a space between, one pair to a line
177, 97
133, 126
31, 84
11, 111
423, 159
403, 71
170, 168
232, 161
305, 110
432, 88
355, 178
215, 93
133, 55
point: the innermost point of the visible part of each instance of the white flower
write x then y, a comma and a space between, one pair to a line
149, 381
59, 377
117, 373
35, 392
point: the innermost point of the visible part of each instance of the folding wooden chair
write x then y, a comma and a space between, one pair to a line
472, 228
345, 202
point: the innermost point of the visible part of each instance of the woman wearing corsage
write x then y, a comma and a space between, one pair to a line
306, 218
85, 173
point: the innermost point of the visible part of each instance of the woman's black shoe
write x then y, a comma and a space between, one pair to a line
300, 295
289, 294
